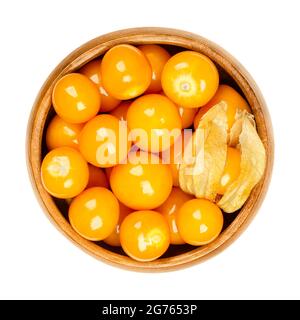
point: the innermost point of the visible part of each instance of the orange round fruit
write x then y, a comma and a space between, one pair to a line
97, 177
157, 57
231, 170
144, 235
120, 111
140, 184
103, 141
75, 98
64, 172
174, 156
114, 238
92, 71
125, 72
159, 119
233, 100
174, 163
62, 134
187, 116
169, 210
190, 79
94, 213
199, 221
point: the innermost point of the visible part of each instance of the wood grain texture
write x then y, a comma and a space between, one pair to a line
137, 36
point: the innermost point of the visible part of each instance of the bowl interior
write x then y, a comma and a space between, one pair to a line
231, 73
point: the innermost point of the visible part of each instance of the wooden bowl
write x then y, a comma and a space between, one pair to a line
231, 71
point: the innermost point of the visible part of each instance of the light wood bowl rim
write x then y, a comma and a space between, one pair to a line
90, 50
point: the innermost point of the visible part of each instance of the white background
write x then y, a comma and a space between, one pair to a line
36, 261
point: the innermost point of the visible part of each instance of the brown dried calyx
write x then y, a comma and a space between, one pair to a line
201, 173
201, 170
253, 161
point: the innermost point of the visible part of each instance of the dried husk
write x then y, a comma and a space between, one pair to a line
253, 161
233, 139
200, 175
201, 171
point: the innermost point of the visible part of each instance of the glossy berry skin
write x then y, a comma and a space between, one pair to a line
174, 156
76, 99
157, 57
97, 177
187, 116
64, 172
99, 141
190, 79
233, 100
92, 71
125, 72
145, 235
231, 170
94, 213
114, 238
62, 134
199, 221
141, 185
157, 115
169, 210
